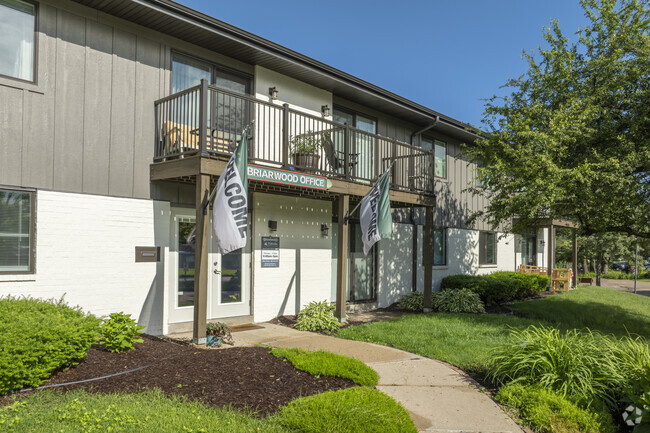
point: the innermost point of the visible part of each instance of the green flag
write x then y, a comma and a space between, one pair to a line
376, 220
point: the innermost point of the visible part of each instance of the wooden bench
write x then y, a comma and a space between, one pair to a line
585, 280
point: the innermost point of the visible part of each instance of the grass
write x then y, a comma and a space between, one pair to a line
146, 412
597, 308
328, 364
465, 340
460, 339
350, 410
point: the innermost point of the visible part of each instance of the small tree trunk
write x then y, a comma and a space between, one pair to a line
585, 266
606, 268
598, 265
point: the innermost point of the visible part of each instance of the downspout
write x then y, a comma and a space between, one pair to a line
414, 279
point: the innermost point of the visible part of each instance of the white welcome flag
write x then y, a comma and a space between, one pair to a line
230, 209
376, 220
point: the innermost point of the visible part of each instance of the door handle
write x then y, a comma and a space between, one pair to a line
217, 271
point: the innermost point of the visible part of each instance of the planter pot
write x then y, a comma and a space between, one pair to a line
306, 160
213, 341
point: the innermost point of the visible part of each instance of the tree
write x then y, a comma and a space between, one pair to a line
572, 140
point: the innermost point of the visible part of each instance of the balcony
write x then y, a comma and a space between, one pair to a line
207, 122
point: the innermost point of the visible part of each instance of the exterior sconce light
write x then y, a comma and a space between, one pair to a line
324, 230
273, 93
325, 110
542, 243
273, 225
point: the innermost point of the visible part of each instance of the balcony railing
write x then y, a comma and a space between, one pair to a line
209, 121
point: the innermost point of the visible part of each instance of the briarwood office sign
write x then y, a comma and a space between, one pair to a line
286, 177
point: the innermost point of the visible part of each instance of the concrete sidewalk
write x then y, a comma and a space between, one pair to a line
438, 398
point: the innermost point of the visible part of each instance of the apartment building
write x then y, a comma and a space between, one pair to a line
117, 119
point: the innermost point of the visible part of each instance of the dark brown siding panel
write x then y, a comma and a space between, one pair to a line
69, 101
122, 114
97, 107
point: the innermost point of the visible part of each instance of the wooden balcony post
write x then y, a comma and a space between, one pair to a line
551, 258
342, 261
201, 268
285, 135
346, 151
428, 259
203, 117
574, 265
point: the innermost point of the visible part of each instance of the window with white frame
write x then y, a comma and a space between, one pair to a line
17, 39
16, 231
487, 244
440, 247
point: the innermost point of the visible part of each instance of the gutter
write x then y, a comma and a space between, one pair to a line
426, 128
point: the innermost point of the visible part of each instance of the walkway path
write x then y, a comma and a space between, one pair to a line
438, 398
642, 287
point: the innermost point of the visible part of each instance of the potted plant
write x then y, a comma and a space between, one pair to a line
218, 333
304, 149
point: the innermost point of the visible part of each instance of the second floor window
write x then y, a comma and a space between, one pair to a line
439, 149
17, 30
487, 246
188, 71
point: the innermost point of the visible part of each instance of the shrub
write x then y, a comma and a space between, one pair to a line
323, 363
458, 301
317, 316
498, 287
545, 411
358, 409
584, 366
412, 302
38, 337
120, 332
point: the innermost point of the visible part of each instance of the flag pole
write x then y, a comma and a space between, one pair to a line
347, 217
214, 190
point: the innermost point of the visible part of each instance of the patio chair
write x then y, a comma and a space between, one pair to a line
336, 158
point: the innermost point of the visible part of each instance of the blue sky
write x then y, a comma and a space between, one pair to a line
446, 55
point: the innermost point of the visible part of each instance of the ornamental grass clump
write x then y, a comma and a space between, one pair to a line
318, 316
458, 301
38, 337
545, 411
584, 366
412, 302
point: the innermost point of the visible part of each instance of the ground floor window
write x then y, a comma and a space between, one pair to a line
16, 231
529, 250
363, 269
487, 244
440, 247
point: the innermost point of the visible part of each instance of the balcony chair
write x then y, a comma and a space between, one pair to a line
336, 158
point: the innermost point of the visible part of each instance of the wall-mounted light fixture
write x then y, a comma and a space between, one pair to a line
324, 230
542, 243
325, 110
273, 225
273, 92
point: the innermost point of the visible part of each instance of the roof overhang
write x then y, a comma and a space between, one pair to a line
187, 24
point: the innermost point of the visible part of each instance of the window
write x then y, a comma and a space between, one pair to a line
17, 30
440, 155
16, 231
440, 247
487, 245
188, 72
362, 142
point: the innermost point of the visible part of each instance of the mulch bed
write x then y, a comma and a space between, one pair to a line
242, 377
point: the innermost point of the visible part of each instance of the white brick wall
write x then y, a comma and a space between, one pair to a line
305, 255
85, 250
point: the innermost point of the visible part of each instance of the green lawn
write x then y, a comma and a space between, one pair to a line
597, 308
465, 340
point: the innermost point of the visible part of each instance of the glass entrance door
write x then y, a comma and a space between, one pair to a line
230, 294
528, 250
362, 282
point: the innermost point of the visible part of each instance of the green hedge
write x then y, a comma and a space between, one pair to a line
498, 287
38, 337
